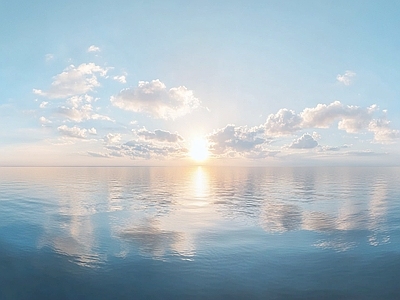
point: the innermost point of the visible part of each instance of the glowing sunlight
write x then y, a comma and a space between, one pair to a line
199, 150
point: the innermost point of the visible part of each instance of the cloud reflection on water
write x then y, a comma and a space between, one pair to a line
377, 215
163, 212
152, 240
174, 233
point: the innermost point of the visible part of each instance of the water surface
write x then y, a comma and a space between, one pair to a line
199, 233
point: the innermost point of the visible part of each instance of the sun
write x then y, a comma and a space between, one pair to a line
199, 149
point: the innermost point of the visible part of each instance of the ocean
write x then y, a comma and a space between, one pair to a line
199, 233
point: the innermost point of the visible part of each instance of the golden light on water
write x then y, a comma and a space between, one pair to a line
200, 182
199, 150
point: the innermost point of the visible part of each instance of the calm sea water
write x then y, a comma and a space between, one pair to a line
200, 233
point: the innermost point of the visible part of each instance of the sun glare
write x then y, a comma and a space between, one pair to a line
199, 150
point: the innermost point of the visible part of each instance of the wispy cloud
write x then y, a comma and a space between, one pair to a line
121, 78
44, 121
49, 57
93, 48
43, 104
346, 78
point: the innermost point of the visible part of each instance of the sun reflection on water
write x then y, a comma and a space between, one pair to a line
201, 186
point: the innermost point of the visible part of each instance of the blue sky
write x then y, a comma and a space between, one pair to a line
260, 82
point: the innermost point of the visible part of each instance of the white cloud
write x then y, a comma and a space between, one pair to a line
73, 81
79, 109
93, 48
382, 131
316, 135
351, 118
43, 104
156, 100
284, 122
233, 140
76, 114
74, 132
346, 78
121, 78
112, 138
44, 121
140, 150
306, 141
159, 144
256, 142
92, 131
159, 135
101, 117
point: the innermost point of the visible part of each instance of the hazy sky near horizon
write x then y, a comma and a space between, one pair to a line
136, 82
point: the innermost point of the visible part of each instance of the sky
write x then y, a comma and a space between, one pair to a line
129, 83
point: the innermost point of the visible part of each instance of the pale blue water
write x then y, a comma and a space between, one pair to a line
200, 233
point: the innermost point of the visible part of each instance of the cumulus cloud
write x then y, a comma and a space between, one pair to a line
346, 78
156, 100
351, 118
306, 141
76, 114
73, 81
92, 131
93, 48
382, 131
234, 139
316, 136
159, 135
284, 122
73, 132
159, 144
256, 142
79, 108
112, 138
